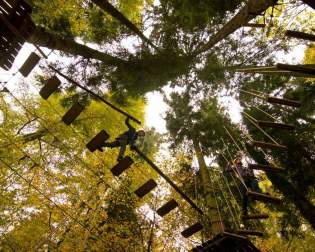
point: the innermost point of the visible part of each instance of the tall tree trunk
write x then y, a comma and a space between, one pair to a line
110, 9
310, 3
247, 13
49, 40
216, 225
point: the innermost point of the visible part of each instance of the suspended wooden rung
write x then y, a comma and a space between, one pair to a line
249, 232
98, 141
192, 230
255, 216
122, 165
255, 25
266, 124
263, 197
29, 64
51, 86
168, 207
300, 35
305, 69
146, 188
72, 113
281, 101
269, 145
267, 168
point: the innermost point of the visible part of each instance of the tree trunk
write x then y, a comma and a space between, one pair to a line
49, 40
111, 10
247, 13
310, 3
212, 212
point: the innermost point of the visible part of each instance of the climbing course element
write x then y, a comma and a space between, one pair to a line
267, 124
167, 207
255, 216
50, 87
267, 168
122, 165
97, 142
72, 113
16, 27
227, 242
167, 179
249, 232
192, 230
146, 188
307, 70
269, 145
281, 101
263, 197
300, 35
29, 64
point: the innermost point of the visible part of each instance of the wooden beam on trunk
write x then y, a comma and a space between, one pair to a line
269, 145
267, 124
300, 35
267, 168
282, 101
263, 197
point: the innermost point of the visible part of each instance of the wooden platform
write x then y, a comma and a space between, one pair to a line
50, 87
167, 207
263, 197
267, 124
122, 165
267, 168
255, 216
146, 188
72, 113
192, 230
13, 14
269, 145
227, 242
98, 141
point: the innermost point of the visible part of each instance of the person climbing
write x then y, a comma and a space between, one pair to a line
129, 137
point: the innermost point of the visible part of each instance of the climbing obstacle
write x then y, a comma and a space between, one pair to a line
300, 35
281, 101
255, 216
192, 230
267, 168
98, 141
72, 113
51, 86
249, 232
263, 197
122, 165
16, 27
269, 145
167, 208
29, 64
267, 124
146, 188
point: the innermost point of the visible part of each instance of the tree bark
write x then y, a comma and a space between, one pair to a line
216, 224
247, 13
111, 10
52, 41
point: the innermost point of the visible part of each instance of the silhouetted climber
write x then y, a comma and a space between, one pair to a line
129, 137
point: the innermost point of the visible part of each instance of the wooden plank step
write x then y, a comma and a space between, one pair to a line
72, 113
146, 188
51, 86
255, 216
263, 197
249, 232
281, 101
98, 141
192, 230
267, 124
29, 64
167, 207
122, 165
269, 145
267, 168
300, 35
